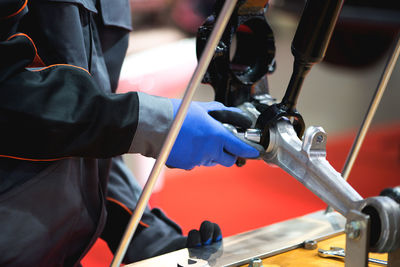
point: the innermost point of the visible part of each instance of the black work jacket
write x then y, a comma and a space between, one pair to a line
67, 103
60, 124
56, 121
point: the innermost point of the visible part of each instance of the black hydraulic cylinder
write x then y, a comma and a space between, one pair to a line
309, 43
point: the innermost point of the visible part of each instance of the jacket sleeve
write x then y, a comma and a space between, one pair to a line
59, 112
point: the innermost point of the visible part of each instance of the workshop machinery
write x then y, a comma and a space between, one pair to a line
236, 52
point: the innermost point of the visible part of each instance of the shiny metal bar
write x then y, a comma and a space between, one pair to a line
198, 74
355, 149
390, 64
305, 160
357, 231
261, 243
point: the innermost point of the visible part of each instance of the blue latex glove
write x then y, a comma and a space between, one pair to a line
205, 141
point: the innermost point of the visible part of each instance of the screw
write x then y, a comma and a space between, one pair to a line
310, 244
353, 229
320, 138
256, 262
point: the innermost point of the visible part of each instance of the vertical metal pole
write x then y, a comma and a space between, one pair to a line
357, 239
371, 111
352, 156
198, 74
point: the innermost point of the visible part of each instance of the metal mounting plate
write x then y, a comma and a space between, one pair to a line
260, 243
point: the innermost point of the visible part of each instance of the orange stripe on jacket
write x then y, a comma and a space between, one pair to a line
37, 61
56, 65
126, 209
41, 62
17, 12
28, 159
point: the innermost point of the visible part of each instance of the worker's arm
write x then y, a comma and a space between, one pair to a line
58, 111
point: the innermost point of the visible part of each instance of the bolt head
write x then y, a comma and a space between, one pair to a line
310, 244
353, 229
256, 262
320, 138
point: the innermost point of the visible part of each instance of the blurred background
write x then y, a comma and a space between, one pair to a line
336, 94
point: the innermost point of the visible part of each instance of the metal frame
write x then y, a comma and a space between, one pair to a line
357, 239
260, 243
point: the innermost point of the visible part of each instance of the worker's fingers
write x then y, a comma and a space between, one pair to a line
237, 147
226, 159
233, 117
210, 232
210, 163
213, 105
194, 239
206, 232
217, 233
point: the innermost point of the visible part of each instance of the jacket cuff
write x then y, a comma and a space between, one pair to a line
155, 119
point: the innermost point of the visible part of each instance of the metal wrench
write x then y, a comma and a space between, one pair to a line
336, 252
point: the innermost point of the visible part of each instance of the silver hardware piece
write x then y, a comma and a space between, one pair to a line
257, 262
336, 252
306, 161
251, 111
310, 244
357, 242
352, 229
253, 135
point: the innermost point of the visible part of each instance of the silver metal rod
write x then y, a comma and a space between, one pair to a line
355, 149
198, 74
390, 64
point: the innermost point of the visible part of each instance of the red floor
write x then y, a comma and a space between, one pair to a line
241, 199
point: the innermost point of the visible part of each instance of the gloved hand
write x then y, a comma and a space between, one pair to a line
205, 141
209, 233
